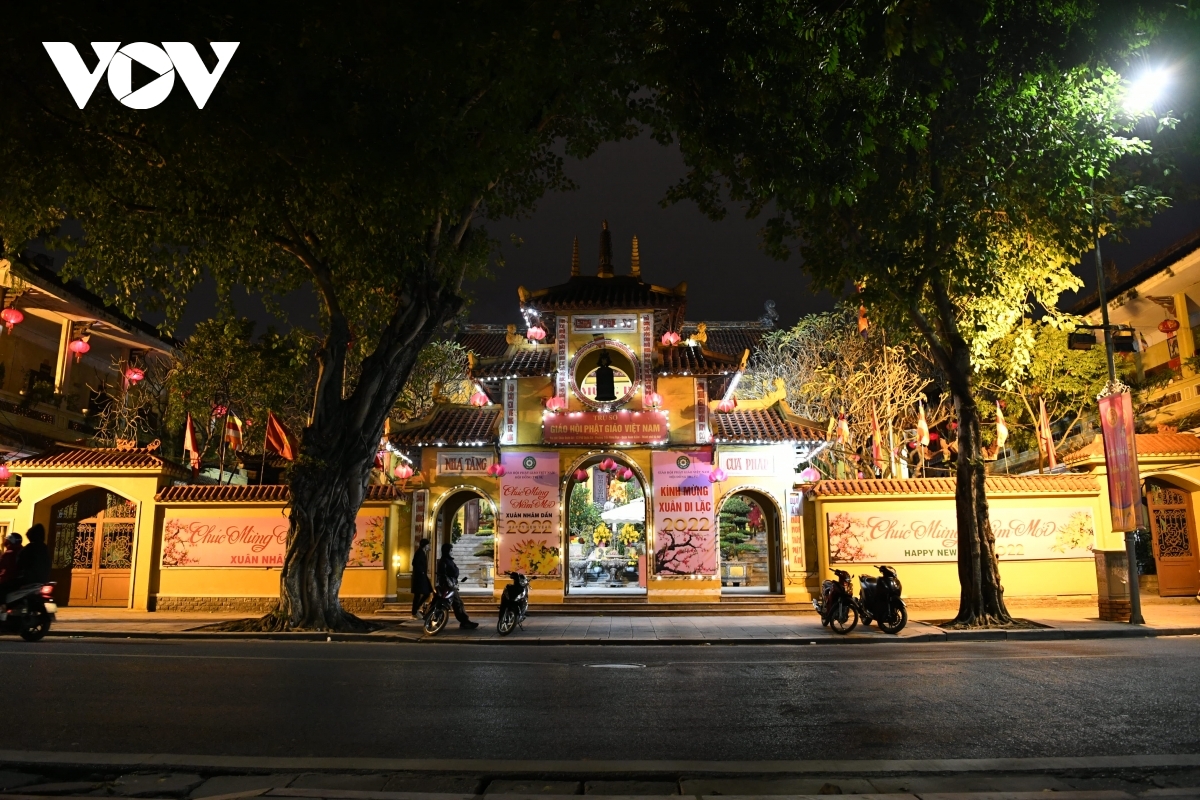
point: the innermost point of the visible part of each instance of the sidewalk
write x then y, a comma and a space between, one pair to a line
1057, 622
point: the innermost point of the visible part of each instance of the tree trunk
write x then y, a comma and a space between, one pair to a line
981, 598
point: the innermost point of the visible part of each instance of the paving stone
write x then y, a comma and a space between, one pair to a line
1068, 795
970, 783
441, 784
361, 783
155, 784
72, 787
746, 787
631, 788
534, 787
232, 784
13, 780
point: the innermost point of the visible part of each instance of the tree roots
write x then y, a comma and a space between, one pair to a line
274, 622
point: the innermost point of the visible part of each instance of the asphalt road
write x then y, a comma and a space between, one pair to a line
980, 700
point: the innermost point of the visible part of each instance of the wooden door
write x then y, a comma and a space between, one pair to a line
93, 549
1173, 531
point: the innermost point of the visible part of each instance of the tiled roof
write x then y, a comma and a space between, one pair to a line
451, 425
94, 458
760, 426
525, 363
1013, 484
1148, 444
731, 338
583, 292
250, 494
683, 360
9, 494
485, 341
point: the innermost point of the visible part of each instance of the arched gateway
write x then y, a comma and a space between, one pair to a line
606, 526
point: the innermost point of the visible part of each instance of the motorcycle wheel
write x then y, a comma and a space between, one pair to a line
507, 621
34, 627
436, 620
844, 627
897, 622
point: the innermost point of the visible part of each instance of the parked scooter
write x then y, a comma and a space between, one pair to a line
440, 608
836, 605
28, 611
879, 600
514, 604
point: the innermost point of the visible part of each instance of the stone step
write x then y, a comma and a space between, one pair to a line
627, 609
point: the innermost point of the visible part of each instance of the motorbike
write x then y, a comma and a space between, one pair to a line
514, 604
440, 608
836, 604
28, 611
879, 600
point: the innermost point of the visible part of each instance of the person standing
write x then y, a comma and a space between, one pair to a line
421, 587
447, 574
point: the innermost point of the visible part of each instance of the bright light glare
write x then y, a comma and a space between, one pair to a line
1146, 90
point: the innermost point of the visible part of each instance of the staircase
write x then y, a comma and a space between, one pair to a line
592, 606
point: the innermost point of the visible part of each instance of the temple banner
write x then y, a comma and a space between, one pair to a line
463, 462
1120, 458
896, 537
254, 542
685, 519
606, 427
527, 525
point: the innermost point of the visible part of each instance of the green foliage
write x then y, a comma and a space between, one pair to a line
734, 525
441, 365
584, 515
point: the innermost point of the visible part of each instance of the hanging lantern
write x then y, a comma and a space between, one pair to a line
717, 475
535, 333
11, 316
608, 465
556, 404
496, 470
5, 474
479, 400
810, 475
78, 347
670, 338
727, 405
581, 476
403, 471
135, 375
1168, 326
625, 476
654, 400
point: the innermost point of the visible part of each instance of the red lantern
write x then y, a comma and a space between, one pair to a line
670, 338
479, 400
654, 400
403, 471
626, 476
78, 347
581, 476
536, 333
11, 317
556, 404
134, 375
608, 465
725, 406
4, 472
496, 470
1168, 326
717, 475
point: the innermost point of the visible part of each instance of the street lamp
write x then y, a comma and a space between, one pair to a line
1145, 90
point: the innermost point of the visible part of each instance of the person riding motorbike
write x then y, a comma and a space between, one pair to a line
9, 564
33, 563
421, 587
447, 573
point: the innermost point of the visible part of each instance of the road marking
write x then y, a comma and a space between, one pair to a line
616, 666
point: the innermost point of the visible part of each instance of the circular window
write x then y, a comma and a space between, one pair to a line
594, 364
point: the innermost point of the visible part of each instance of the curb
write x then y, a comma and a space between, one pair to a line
1022, 635
33, 758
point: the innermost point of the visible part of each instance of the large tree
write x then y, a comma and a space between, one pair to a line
351, 149
945, 156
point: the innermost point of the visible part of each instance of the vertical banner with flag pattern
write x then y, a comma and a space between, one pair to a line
647, 354
508, 424
703, 434
1120, 458
562, 378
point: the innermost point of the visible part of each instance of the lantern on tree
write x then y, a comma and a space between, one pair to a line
810, 475
136, 375
11, 316
403, 471
79, 347
479, 400
581, 476
717, 475
535, 333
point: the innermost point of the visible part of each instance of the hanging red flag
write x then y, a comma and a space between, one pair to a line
1045, 434
233, 431
280, 440
190, 451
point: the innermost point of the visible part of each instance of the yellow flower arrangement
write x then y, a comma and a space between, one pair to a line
602, 535
629, 534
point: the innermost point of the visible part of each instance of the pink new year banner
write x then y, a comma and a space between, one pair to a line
241, 541
1120, 457
685, 520
527, 522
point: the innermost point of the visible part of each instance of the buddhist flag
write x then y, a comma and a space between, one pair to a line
1045, 435
843, 429
876, 444
863, 322
280, 440
829, 432
922, 426
190, 451
233, 431
1001, 430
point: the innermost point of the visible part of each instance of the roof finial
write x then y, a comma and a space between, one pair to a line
575, 258
635, 261
606, 268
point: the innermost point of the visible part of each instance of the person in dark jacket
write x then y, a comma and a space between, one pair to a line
447, 574
9, 570
421, 587
33, 564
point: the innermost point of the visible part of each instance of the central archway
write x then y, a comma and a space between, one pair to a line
606, 515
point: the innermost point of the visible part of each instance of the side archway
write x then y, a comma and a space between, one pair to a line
749, 522
465, 518
92, 535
